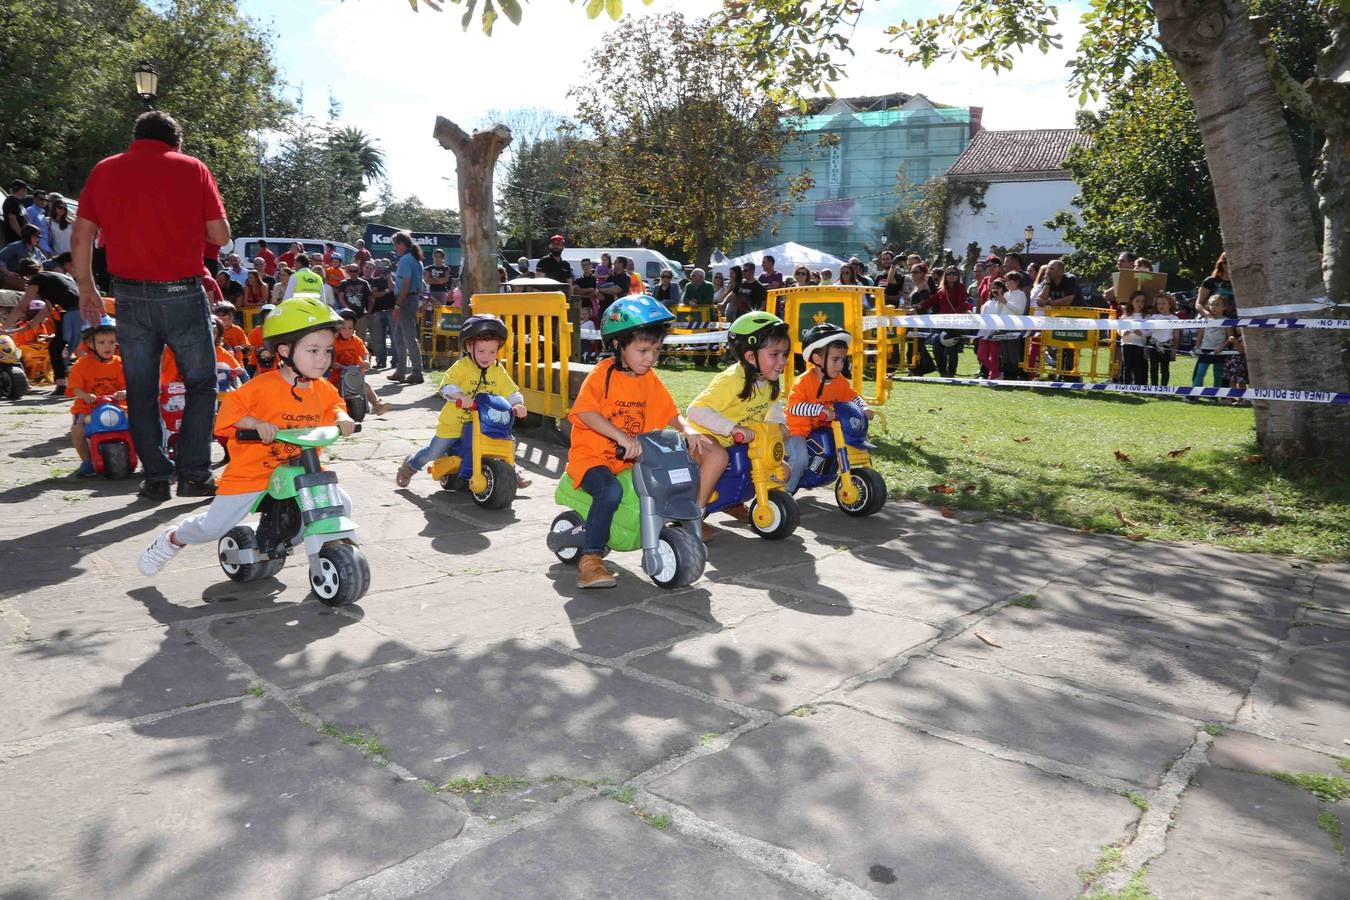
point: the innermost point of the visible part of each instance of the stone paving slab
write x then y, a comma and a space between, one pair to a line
105, 676
232, 801
900, 813
1309, 694
1102, 738
847, 579
1252, 568
1249, 753
723, 603
616, 634
1206, 682
1239, 835
306, 643
1219, 593
1234, 629
520, 710
600, 850
787, 657
1004, 569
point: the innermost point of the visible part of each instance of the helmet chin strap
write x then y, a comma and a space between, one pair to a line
300, 378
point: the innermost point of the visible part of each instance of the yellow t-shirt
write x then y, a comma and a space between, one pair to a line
466, 375
722, 396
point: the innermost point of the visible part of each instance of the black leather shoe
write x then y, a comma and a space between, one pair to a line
205, 488
154, 491
414, 379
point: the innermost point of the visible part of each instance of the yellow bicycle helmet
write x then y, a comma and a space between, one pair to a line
297, 317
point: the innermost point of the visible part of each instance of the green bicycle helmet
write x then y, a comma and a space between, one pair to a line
297, 317
754, 328
628, 313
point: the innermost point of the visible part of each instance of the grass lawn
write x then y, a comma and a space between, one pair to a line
1051, 456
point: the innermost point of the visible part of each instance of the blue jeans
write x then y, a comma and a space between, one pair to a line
797, 458
381, 328
407, 342
1203, 360
606, 494
149, 316
438, 447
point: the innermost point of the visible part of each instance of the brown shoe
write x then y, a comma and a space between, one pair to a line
738, 511
709, 532
405, 474
523, 480
593, 574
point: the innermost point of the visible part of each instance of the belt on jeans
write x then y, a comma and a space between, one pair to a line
182, 282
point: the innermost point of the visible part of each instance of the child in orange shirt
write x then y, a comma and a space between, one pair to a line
262, 357
619, 400
350, 350
235, 340
825, 348
296, 395
97, 374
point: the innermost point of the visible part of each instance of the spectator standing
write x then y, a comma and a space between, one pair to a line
771, 278
15, 211
407, 293
733, 307
619, 283
1161, 346
157, 209
354, 294
951, 299
993, 269
552, 265
58, 224
604, 268
668, 292
698, 292
269, 260
860, 272
884, 263
37, 215
288, 258
438, 280
587, 292
522, 269
1134, 344
848, 275
1056, 287
234, 271
362, 255
1012, 345
379, 311
278, 292
750, 289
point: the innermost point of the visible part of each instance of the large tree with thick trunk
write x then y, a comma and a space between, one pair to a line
476, 158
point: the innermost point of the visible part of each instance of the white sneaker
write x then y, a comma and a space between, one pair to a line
158, 554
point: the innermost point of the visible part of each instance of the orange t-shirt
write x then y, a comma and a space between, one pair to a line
348, 351
168, 368
334, 275
226, 358
807, 389
255, 340
271, 398
633, 405
93, 376
234, 337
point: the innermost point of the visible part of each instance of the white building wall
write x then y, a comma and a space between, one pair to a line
1010, 206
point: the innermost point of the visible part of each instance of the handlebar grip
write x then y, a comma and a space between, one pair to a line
246, 434
737, 438
618, 451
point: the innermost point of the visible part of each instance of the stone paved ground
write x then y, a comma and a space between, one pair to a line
908, 706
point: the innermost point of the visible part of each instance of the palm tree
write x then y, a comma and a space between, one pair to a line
362, 149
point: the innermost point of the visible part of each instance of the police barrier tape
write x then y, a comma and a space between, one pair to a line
971, 321
1155, 390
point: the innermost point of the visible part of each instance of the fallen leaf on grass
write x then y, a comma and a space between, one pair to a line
1021, 440
942, 488
946, 511
1203, 490
1123, 457
1254, 458
1137, 536
1126, 520
989, 641
1087, 530
1176, 454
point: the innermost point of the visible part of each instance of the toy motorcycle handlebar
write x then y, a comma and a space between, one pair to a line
250, 435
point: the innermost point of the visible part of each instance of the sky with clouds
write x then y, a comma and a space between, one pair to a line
394, 70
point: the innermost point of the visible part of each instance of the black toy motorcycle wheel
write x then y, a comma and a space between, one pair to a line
357, 407
13, 382
568, 520
343, 576
871, 492
116, 460
682, 556
786, 515
243, 537
501, 485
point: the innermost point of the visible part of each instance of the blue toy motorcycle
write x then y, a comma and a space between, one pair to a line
484, 455
840, 454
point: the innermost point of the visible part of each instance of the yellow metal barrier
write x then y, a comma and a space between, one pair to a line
694, 320
1070, 346
883, 347
251, 316
804, 307
540, 348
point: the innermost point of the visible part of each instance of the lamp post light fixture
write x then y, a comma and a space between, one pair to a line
1027, 234
147, 83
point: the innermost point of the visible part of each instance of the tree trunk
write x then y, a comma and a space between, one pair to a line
475, 159
702, 247
1267, 225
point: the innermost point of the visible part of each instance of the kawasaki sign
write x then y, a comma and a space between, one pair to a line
380, 241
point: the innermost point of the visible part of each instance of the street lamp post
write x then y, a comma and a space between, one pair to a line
1027, 233
147, 83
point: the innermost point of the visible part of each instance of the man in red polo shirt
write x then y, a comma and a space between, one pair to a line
157, 209
269, 260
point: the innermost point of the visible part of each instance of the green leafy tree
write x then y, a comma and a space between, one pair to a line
688, 155
68, 101
360, 151
534, 201
411, 213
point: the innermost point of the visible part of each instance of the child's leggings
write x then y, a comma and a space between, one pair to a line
988, 354
1204, 361
225, 512
606, 493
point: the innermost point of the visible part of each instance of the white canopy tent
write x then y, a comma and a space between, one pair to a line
786, 257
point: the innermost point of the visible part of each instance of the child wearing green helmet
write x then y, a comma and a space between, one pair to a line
297, 394
620, 399
747, 391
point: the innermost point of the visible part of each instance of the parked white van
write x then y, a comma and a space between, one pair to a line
247, 248
648, 263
